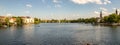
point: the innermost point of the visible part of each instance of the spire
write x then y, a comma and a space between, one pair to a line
116, 12
101, 14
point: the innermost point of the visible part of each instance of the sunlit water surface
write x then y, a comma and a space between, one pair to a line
60, 34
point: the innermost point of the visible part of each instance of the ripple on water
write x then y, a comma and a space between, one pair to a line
60, 34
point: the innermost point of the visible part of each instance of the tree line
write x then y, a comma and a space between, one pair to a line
111, 18
19, 21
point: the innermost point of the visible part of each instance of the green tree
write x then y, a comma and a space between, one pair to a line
113, 18
7, 21
118, 18
1, 25
36, 21
19, 21
105, 19
92, 20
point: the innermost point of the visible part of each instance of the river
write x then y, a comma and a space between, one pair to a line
60, 34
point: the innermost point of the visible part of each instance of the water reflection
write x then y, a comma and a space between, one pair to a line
28, 33
113, 36
107, 36
18, 35
60, 34
98, 34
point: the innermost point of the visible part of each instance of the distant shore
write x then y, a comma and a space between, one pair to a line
108, 24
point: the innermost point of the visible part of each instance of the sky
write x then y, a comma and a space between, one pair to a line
58, 9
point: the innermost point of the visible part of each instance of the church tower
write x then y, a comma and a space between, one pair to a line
101, 14
116, 12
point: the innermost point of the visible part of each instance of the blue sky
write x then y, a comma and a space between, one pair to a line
58, 9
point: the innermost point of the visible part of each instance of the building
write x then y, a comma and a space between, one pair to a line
2, 19
101, 15
12, 20
28, 20
99, 19
116, 12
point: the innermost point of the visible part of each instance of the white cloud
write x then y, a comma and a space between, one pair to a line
105, 13
96, 12
103, 9
107, 2
29, 5
114, 8
91, 1
56, 1
9, 14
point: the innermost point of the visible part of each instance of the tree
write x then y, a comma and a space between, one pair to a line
0, 24
19, 21
7, 21
113, 18
118, 18
36, 21
92, 20
105, 19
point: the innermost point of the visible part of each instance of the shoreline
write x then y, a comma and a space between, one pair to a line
101, 24
108, 24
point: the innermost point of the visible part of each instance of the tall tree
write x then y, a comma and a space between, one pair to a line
19, 21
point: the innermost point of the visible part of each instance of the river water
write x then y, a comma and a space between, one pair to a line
60, 34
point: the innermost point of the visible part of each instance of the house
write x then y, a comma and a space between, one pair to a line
2, 19
12, 20
28, 20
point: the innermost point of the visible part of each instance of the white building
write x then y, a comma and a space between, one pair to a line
28, 20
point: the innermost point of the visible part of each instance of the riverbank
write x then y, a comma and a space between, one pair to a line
6, 26
109, 24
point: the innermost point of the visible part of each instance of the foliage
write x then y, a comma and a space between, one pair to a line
7, 21
105, 19
112, 18
36, 21
87, 20
63, 21
19, 21
0, 24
